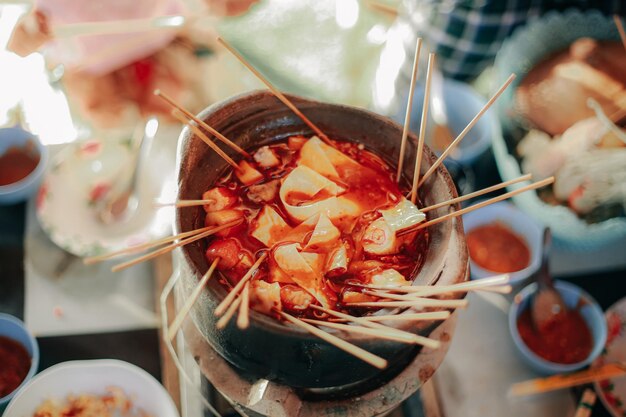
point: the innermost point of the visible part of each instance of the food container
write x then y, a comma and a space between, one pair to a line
573, 296
525, 48
21, 190
268, 348
15, 329
519, 223
93, 377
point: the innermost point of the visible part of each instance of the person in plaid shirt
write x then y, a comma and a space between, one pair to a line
467, 34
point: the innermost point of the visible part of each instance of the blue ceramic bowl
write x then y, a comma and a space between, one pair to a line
15, 329
462, 104
23, 189
591, 312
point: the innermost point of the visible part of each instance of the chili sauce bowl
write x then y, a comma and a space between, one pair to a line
14, 329
11, 137
520, 224
574, 297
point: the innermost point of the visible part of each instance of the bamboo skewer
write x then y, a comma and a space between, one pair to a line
483, 283
378, 333
184, 311
276, 92
422, 134
478, 193
171, 247
178, 115
138, 248
186, 203
415, 302
221, 308
556, 382
432, 315
355, 351
409, 107
201, 123
461, 135
620, 29
223, 321
586, 403
243, 320
411, 337
383, 8
448, 216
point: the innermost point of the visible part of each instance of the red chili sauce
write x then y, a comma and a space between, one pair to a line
16, 163
14, 365
565, 339
496, 248
371, 183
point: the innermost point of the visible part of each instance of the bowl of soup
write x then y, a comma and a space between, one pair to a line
22, 164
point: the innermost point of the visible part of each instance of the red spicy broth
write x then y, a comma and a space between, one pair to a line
366, 184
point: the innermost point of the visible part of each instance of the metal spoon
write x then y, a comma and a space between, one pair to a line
547, 304
120, 204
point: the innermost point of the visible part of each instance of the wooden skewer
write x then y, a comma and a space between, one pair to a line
186, 203
383, 8
556, 382
355, 351
182, 314
277, 92
409, 107
411, 337
415, 302
221, 308
448, 216
171, 247
433, 315
478, 193
497, 280
138, 248
461, 135
178, 115
422, 133
378, 333
586, 403
620, 29
223, 321
201, 123
243, 320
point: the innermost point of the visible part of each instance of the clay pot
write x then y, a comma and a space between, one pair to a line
268, 348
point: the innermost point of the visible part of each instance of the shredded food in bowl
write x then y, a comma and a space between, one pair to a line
114, 403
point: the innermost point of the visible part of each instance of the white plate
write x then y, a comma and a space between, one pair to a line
93, 377
79, 173
612, 392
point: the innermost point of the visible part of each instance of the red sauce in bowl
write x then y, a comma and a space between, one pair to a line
565, 339
496, 248
14, 365
16, 163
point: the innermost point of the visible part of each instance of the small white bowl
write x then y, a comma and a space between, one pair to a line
77, 377
520, 223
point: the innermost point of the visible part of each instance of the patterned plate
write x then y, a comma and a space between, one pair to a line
80, 175
612, 392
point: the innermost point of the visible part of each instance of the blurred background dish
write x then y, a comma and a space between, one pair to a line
93, 377
577, 300
612, 392
487, 245
82, 175
461, 104
13, 337
22, 163
583, 72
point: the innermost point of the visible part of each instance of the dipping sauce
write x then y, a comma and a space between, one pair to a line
16, 163
496, 248
565, 339
14, 365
